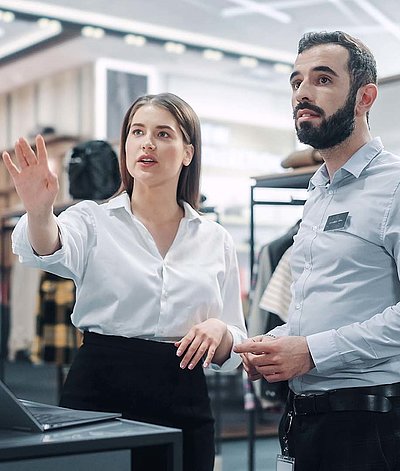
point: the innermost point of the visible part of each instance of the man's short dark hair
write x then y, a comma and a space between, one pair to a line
361, 64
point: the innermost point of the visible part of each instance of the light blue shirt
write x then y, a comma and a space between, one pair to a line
346, 289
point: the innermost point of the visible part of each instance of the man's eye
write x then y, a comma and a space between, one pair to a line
324, 80
296, 85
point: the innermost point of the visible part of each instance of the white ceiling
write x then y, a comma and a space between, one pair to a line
266, 30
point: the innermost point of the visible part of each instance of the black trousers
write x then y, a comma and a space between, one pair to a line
345, 441
142, 380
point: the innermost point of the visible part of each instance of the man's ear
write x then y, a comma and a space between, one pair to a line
366, 97
189, 151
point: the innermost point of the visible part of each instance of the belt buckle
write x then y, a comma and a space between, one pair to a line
309, 400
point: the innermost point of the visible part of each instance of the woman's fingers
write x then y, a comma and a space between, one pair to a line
190, 353
41, 150
210, 356
20, 156
27, 151
10, 166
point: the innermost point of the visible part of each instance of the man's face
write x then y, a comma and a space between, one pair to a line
323, 102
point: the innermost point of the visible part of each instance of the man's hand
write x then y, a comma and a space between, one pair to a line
277, 359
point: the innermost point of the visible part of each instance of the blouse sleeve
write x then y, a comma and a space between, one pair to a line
77, 233
232, 311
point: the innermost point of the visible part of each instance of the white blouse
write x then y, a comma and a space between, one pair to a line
123, 285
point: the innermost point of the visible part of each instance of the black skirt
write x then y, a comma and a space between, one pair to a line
142, 380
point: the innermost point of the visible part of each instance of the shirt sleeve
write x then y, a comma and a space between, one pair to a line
232, 311
77, 232
367, 343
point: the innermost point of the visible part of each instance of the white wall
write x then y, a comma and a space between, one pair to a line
233, 103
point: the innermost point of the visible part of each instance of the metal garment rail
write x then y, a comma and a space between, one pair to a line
292, 180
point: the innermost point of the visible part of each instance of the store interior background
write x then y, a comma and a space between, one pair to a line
76, 65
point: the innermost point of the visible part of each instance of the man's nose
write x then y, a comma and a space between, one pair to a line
303, 92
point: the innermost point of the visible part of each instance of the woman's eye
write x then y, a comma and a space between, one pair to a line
163, 134
137, 132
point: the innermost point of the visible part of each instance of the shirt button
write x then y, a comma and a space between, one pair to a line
298, 306
314, 228
307, 266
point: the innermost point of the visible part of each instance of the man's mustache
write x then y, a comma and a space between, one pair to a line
307, 106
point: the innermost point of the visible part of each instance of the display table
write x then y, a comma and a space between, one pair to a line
104, 446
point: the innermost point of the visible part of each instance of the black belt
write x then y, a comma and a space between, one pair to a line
371, 398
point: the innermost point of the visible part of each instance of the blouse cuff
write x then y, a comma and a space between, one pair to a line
21, 245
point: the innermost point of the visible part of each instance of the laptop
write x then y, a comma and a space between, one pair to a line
32, 416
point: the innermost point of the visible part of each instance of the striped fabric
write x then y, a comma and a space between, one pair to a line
277, 296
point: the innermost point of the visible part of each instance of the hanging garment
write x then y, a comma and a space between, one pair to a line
277, 296
57, 339
24, 288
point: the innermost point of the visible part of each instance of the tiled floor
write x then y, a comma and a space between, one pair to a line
39, 383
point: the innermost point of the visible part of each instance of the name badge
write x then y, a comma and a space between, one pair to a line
284, 463
336, 221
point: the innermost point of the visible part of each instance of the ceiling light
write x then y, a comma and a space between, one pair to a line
135, 40
7, 16
92, 32
282, 68
174, 48
213, 55
250, 62
46, 23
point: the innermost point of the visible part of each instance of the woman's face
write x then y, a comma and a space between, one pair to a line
155, 149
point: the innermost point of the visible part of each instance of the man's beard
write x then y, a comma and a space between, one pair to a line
331, 131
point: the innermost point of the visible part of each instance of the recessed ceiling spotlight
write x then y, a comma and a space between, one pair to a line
7, 16
250, 62
92, 32
46, 23
213, 55
174, 48
282, 68
135, 40
43, 22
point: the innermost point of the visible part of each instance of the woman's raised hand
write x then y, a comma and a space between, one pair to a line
36, 184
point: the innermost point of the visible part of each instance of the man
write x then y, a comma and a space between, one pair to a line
340, 349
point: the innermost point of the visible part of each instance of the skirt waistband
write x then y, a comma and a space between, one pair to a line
133, 344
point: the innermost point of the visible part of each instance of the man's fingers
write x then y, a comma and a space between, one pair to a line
253, 347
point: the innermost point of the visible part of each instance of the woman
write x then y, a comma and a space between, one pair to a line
157, 285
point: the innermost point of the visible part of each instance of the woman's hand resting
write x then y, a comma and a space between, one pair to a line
209, 339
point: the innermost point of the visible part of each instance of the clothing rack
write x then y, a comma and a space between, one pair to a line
8, 221
297, 179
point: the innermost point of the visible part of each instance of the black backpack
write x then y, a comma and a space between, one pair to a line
93, 171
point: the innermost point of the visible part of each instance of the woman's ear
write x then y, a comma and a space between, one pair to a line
366, 97
189, 152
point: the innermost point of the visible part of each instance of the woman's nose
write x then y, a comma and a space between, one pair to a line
148, 145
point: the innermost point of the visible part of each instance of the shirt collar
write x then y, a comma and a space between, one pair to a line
123, 201
355, 165
120, 201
